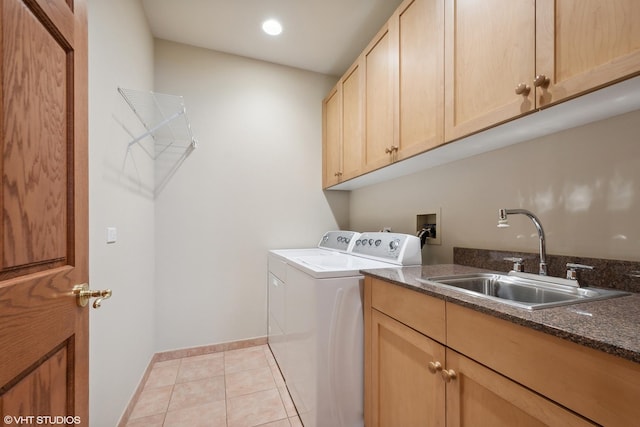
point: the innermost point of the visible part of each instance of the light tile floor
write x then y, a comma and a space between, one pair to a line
235, 388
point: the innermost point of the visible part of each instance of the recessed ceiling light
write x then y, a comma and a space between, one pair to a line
272, 27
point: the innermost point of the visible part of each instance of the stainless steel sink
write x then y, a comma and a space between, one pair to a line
523, 290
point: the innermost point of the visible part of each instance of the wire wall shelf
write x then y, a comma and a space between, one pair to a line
164, 118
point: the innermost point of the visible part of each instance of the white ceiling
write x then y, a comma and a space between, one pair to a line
325, 36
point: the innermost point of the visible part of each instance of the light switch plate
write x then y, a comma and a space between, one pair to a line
112, 234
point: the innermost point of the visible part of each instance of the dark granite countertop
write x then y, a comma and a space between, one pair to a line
611, 326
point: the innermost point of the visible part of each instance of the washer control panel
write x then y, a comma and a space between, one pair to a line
397, 248
342, 241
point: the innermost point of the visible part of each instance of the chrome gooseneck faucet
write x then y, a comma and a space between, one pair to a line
502, 222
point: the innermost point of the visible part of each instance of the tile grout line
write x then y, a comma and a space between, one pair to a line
275, 376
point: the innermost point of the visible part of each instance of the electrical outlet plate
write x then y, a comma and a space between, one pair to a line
434, 216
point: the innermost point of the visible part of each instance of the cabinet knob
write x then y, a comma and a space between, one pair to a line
434, 367
541, 81
391, 149
523, 89
337, 174
448, 375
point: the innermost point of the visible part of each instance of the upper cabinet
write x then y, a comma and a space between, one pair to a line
352, 121
442, 70
331, 138
583, 45
343, 135
379, 67
418, 26
533, 54
404, 84
489, 65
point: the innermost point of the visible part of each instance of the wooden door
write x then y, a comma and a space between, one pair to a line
585, 44
331, 141
489, 52
43, 239
403, 390
419, 33
479, 397
379, 132
352, 122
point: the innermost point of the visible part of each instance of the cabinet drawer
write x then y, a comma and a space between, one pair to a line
421, 312
602, 387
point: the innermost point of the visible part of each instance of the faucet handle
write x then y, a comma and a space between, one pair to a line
517, 263
572, 270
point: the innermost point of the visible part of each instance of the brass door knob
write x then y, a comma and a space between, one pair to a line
448, 375
523, 89
434, 367
541, 81
84, 294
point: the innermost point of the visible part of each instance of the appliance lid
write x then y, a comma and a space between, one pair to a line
336, 266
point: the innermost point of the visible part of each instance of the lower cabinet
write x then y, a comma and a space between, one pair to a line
414, 380
406, 393
478, 396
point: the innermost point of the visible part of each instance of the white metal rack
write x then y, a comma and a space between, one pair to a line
164, 118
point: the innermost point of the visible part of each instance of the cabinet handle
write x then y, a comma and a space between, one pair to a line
434, 367
337, 174
388, 150
541, 81
448, 375
523, 89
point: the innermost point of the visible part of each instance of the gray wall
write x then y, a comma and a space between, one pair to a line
120, 54
253, 184
583, 184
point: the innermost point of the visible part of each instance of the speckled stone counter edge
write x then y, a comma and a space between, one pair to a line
611, 326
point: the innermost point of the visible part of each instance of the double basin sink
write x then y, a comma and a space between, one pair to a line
523, 290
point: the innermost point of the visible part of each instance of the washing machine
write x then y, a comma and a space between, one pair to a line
332, 243
316, 320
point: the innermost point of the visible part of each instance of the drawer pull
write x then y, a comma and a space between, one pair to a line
434, 367
541, 81
523, 89
448, 375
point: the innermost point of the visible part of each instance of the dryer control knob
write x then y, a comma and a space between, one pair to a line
393, 245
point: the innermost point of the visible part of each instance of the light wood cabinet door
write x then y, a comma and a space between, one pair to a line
331, 141
379, 95
403, 390
489, 52
418, 31
600, 386
479, 397
352, 122
583, 45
